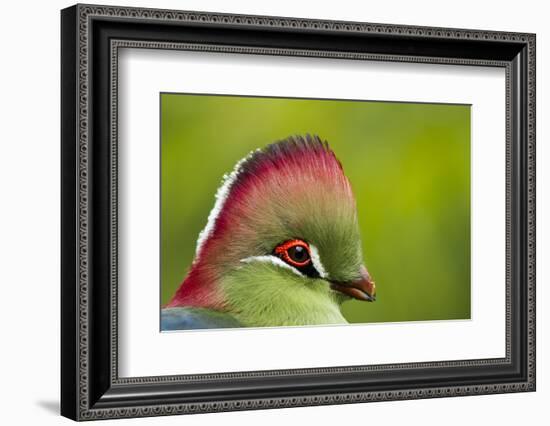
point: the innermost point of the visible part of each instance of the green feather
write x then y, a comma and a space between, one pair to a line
264, 294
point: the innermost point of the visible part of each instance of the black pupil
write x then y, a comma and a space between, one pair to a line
298, 254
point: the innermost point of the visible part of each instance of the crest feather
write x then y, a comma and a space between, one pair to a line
294, 152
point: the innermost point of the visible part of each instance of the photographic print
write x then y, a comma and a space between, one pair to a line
301, 212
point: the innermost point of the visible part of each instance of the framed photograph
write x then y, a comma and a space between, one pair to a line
263, 212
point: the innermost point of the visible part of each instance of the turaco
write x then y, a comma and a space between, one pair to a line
281, 246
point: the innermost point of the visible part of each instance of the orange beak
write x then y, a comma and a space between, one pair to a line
363, 288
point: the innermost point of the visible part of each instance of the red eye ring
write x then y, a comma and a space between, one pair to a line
282, 250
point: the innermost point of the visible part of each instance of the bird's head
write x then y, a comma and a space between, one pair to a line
282, 243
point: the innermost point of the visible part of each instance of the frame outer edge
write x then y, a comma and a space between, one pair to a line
82, 411
83, 197
531, 213
69, 287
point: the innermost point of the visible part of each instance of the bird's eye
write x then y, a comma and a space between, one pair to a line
294, 252
298, 254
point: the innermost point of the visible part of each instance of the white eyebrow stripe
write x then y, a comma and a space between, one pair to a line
273, 260
316, 259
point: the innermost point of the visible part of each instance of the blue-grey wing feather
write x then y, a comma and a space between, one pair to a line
182, 318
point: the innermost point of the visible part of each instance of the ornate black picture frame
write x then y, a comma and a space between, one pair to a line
90, 38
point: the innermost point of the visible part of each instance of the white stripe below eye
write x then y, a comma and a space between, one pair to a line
273, 260
316, 259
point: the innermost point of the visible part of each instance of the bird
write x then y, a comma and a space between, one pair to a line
281, 246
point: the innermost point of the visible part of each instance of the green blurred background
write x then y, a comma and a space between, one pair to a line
409, 165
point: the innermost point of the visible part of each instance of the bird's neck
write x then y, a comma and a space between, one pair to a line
317, 313
253, 305
199, 289
262, 297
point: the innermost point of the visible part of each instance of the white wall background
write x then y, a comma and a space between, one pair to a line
29, 211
